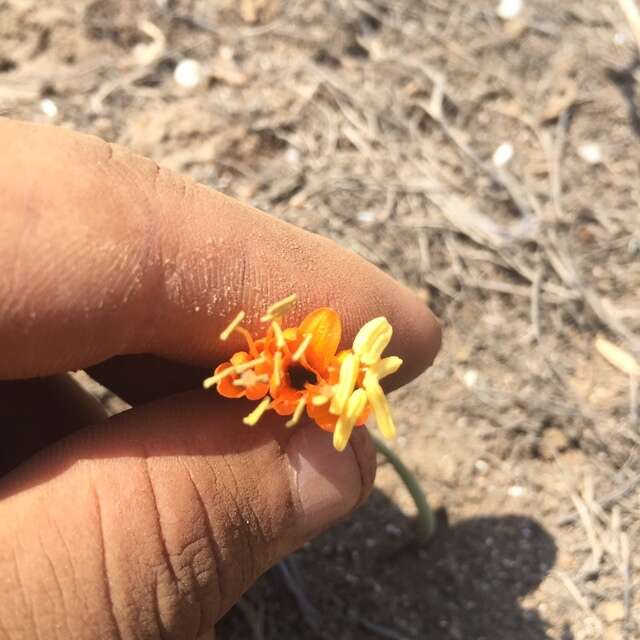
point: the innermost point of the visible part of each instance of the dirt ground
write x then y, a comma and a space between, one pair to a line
492, 165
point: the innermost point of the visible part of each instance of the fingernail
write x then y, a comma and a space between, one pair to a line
328, 484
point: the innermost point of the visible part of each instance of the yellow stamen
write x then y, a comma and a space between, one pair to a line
297, 414
233, 325
346, 383
385, 367
257, 413
277, 369
372, 340
380, 406
347, 420
302, 347
245, 366
279, 308
277, 331
213, 380
319, 400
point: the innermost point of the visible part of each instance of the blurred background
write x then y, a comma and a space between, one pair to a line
486, 153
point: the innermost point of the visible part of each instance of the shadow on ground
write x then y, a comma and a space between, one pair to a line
368, 580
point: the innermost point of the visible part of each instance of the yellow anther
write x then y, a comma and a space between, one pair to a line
347, 420
302, 347
378, 401
245, 366
385, 367
372, 340
346, 382
319, 400
297, 414
279, 308
277, 331
213, 380
233, 325
258, 412
277, 369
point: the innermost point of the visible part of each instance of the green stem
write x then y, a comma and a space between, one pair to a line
425, 520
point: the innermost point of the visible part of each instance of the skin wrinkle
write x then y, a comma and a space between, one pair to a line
27, 605
107, 580
151, 274
232, 494
76, 593
168, 561
279, 466
225, 600
59, 589
181, 590
156, 611
206, 538
4, 633
215, 554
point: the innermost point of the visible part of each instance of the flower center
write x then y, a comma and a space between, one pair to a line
299, 376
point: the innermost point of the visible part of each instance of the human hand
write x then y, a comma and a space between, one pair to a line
152, 523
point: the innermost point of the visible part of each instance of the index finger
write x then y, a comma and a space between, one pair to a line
103, 253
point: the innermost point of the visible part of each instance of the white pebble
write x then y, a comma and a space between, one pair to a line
516, 491
590, 152
508, 9
366, 216
292, 155
188, 73
49, 107
503, 154
481, 466
470, 378
619, 38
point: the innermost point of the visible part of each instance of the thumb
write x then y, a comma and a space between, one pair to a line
153, 523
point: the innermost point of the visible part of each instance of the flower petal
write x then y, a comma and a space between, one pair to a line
225, 387
325, 327
322, 416
285, 403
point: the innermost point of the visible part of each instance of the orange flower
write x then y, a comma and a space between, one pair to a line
299, 368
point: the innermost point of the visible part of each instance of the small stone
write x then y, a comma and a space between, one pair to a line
292, 155
509, 9
49, 108
590, 153
516, 491
503, 154
366, 216
470, 378
619, 38
188, 73
481, 466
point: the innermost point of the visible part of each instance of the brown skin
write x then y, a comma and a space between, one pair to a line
151, 524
